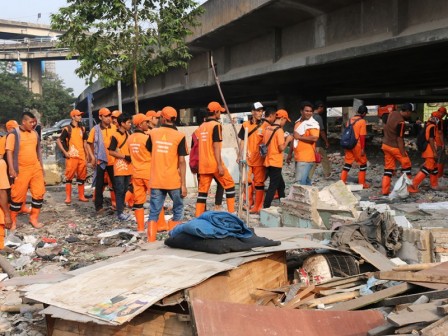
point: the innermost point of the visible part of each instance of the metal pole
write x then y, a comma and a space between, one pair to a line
120, 103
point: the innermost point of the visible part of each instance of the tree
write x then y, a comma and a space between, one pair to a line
126, 40
56, 101
14, 95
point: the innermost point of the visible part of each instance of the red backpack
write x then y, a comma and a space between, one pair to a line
194, 154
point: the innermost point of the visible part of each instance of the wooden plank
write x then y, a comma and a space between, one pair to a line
433, 305
240, 284
372, 298
333, 299
438, 328
443, 309
295, 302
408, 276
374, 257
149, 323
439, 270
339, 290
414, 267
411, 328
338, 282
432, 295
406, 318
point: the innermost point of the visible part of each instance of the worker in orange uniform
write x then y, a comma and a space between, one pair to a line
430, 156
168, 148
358, 153
73, 144
119, 149
139, 150
26, 168
10, 126
393, 145
440, 140
210, 160
154, 119
5, 217
99, 141
276, 141
255, 127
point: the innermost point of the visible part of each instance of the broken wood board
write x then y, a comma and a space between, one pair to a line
148, 323
438, 328
415, 267
141, 282
433, 305
372, 298
240, 284
342, 281
326, 300
406, 318
296, 301
249, 320
373, 257
413, 277
432, 295
35, 279
440, 270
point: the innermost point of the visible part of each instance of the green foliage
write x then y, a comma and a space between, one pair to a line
54, 104
112, 37
56, 101
14, 95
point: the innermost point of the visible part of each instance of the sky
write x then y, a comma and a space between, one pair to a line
28, 11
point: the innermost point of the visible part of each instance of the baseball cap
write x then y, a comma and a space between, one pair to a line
11, 124
442, 109
116, 113
152, 113
257, 106
169, 113
104, 111
282, 114
74, 113
407, 107
139, 118
215, 107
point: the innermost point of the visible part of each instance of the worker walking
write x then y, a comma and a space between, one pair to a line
256, 172
168, 148
5, 217
210, 160
440, 140
276, 141
357, 154
430, 156
393, 145
26, 168
73, 144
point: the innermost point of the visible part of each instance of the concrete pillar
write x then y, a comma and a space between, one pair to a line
34, 75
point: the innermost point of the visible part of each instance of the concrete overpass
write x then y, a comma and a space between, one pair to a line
30, 43
286, 50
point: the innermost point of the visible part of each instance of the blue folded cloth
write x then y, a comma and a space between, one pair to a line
214, 224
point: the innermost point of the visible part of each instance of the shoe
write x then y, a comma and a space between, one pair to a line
100, 211
123, 217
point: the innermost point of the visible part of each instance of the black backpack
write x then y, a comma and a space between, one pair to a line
421, 141
348, 138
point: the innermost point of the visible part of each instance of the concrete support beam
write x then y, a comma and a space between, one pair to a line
34, 76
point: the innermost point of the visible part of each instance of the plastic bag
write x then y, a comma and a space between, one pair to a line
401, 187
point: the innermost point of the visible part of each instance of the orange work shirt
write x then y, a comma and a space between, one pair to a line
208, 133
119, 143
360, 128
305, 152
274, 158
254, 140
166, 145
4, 184
28, 147
107, 133
2, 145
139, 146
439, 142
73, 141
431, 131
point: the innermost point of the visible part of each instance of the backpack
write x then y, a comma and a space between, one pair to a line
348, 138
194, 154
421, 141
263, 148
